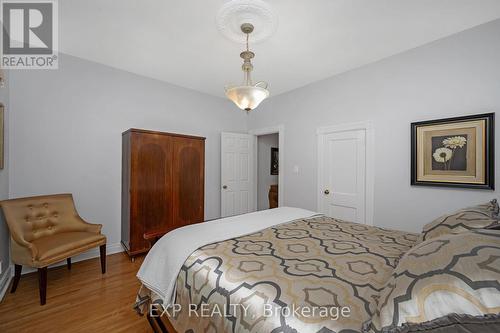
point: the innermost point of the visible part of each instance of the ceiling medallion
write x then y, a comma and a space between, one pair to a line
237, 12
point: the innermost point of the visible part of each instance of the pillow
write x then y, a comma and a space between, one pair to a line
476, 217
449, 281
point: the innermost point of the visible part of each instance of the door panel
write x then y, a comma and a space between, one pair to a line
342, 212
342, 161
343, 169
236, 173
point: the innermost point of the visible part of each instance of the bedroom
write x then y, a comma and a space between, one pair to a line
367, 68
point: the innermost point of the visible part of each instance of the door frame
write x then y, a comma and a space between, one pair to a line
280, 130
321, 132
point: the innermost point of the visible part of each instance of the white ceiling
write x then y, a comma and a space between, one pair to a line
177, 41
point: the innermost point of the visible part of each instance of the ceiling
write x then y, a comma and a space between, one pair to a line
177, 41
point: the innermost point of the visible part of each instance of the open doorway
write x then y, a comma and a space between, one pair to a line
278, 132
267, 171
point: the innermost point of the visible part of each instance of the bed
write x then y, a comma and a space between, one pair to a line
280, 270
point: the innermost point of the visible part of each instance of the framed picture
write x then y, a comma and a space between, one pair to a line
454, 152
1, 136
275, 159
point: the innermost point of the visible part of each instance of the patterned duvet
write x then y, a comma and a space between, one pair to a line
309, 275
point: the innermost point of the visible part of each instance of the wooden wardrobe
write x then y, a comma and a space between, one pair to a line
163, 185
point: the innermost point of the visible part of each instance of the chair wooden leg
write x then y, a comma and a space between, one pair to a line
17, 277
68, 261
102, 251
42, 284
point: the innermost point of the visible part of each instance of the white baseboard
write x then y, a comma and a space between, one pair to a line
90, 254
5, 282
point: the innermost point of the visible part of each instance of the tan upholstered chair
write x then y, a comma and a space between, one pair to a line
45, 230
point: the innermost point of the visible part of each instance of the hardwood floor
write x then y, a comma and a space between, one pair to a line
80, 300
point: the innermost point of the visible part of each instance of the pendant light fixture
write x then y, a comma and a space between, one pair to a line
247, 96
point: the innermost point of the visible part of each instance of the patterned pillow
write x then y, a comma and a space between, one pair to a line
476, 217
452, 274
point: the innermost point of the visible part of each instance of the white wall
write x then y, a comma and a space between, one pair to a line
264, 177
455, 76
66, 133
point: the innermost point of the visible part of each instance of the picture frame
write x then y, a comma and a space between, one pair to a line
454, 152
2, 139
274, 161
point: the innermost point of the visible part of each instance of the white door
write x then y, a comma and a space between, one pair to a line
236, 174
342, 175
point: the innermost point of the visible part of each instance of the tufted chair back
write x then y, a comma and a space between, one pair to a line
36, 217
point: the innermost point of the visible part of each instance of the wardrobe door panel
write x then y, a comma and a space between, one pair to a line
152, 186
188, 180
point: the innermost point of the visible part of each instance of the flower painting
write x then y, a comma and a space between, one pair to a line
450, 153
454, 152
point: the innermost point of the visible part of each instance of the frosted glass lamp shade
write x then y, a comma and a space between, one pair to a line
247, 97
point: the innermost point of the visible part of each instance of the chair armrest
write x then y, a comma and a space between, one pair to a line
90, 227
23, 245
94, 228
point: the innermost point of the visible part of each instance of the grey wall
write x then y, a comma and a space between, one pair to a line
264, 177
455, 76
4, 178
67, 125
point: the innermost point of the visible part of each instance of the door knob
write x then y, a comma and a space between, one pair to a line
224, 187
326, 192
